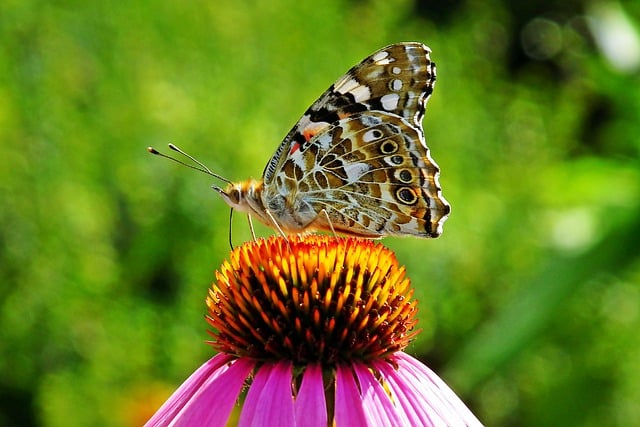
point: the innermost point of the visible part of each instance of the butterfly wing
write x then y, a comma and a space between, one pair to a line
359, 154
372, 175
397, 79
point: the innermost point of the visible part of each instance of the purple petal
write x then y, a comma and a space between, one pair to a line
207, 396
455, 404
181, 396
375, 400
311, 404
424, 397
410, 400
270, 400
348, 403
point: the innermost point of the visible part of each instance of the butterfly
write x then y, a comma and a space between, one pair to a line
356, 163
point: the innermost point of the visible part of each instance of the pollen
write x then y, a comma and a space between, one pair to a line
311, 298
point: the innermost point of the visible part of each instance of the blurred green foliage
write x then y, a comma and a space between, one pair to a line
530, 301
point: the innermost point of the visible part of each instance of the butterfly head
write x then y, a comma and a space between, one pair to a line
244, 196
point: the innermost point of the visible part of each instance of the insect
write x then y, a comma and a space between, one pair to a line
356, 163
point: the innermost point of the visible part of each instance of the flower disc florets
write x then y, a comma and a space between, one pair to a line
311, 298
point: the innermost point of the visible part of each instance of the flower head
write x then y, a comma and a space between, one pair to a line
311, 299
314, 328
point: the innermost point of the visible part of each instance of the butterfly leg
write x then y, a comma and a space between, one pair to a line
276, 225
326, 215
230, 228
253, 232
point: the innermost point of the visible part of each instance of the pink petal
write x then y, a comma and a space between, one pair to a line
410, 400
212, 404
375, 400
348, 403
206, 397
425, 398
270, 399
311, 404
456, 405
214, 366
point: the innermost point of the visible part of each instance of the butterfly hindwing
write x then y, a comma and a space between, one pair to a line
373, 176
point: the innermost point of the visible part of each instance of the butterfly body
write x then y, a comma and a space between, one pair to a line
356, 162
291, 213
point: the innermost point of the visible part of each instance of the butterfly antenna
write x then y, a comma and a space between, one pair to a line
199, 166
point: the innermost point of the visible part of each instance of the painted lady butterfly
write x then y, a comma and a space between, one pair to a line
356, 163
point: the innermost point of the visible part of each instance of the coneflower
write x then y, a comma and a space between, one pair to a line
312, 329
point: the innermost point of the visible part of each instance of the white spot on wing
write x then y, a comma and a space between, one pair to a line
369, 121
324, 141
361, 93
346, 84
416, 120
390, 101
355, 170
304, 122
371, 135
380, 56
298, 159
396, 84
396, 70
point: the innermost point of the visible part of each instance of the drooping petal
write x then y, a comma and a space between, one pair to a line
424, 395
310, 404
198, 400
376, 402
270, 401
348, 403
212, 404
410, 400
253, 396
181, 396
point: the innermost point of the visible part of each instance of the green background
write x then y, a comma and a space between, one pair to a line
530, 303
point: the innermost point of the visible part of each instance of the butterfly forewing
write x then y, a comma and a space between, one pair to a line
397, 79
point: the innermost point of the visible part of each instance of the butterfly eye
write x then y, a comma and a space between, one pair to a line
233, 194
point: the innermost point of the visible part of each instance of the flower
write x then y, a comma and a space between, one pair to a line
313, 328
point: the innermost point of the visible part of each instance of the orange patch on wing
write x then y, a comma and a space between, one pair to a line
313, 129
309, 133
